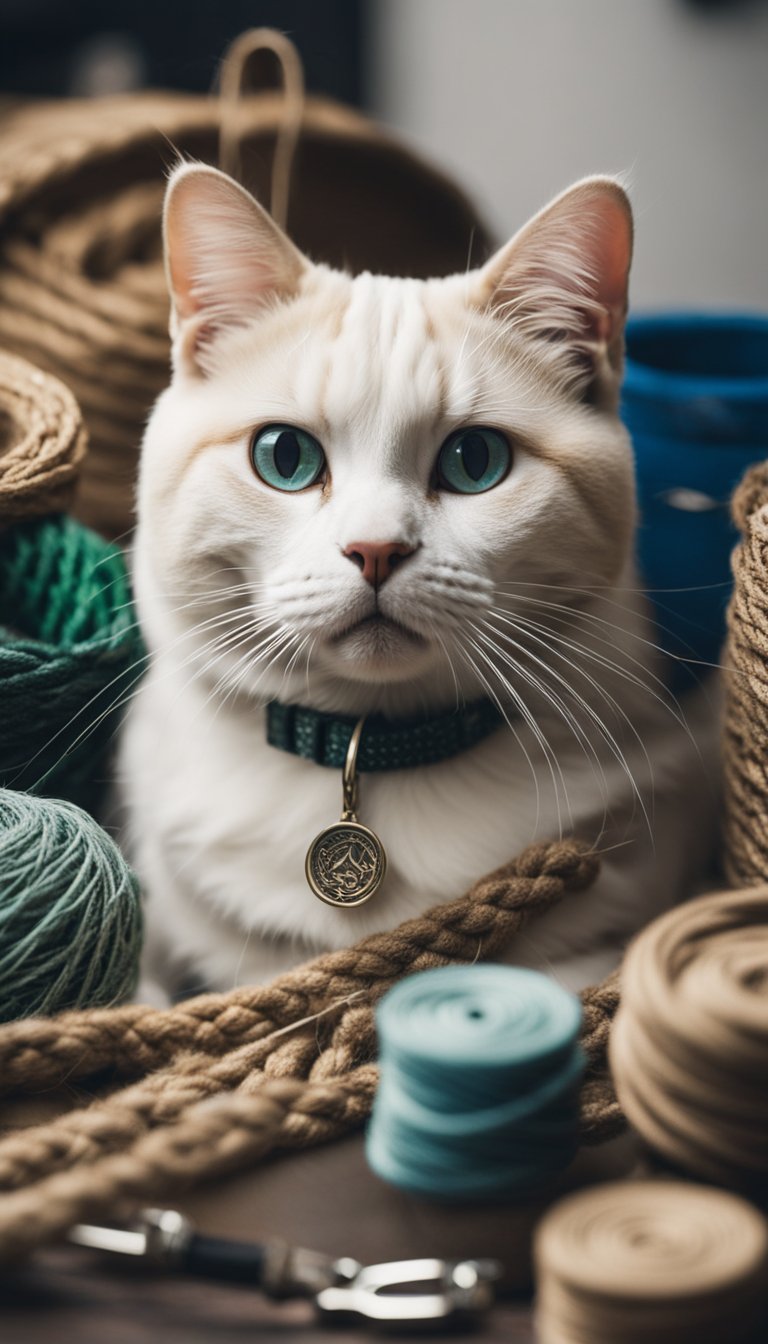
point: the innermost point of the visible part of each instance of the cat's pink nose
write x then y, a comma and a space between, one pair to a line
377, 559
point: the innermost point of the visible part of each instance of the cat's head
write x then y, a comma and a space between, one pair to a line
351, 482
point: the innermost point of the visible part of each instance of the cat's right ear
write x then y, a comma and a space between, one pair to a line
225, 258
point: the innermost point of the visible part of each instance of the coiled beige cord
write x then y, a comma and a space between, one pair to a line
660, 1261
689, 1045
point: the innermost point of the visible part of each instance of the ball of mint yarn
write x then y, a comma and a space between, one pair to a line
70, 914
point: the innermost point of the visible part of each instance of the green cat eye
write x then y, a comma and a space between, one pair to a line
287, 458
473, 460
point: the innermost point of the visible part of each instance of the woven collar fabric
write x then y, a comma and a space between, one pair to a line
386, 744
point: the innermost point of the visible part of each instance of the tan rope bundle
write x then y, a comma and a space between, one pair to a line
224, 1079
689, 1045
82, 289
42, 441
631, 1262
746, 721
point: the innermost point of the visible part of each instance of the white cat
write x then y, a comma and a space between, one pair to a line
388, 496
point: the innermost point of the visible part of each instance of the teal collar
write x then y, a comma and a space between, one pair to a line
386, 744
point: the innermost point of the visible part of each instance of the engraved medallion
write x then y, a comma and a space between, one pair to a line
346, 864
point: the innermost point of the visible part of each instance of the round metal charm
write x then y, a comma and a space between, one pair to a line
346, 864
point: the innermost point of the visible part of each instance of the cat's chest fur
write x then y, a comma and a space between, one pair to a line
220, 823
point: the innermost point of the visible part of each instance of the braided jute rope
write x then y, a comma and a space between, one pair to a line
746, 717
689, 1045
234, 1076
42, 441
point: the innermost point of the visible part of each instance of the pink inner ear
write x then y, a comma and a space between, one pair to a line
565, 275
613, 252
226, 257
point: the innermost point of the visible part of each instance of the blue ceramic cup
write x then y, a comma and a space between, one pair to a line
695, 401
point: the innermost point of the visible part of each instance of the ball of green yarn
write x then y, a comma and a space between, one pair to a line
70, 915
70, 655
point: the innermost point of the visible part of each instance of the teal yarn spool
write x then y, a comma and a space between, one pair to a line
70, 914
480, 1074
70, 653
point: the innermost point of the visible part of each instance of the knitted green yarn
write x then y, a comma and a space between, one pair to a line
70, 917
70, 652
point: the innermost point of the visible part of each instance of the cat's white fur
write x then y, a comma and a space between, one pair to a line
526, 592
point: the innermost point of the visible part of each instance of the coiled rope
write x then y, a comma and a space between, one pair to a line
689, 1045
42, 441
70, 653
745, 829
229, 1078
635, 1262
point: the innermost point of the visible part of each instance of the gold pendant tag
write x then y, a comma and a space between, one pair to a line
346, 863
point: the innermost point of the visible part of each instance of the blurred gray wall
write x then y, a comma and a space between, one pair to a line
518, 98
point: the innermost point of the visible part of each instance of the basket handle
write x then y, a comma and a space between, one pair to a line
230, 91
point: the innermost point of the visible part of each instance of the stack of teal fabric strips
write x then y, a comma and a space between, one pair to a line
480, 1077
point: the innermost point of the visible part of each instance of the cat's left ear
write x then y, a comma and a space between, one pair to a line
562, 283
226, 260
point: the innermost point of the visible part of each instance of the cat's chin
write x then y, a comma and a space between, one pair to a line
379, 649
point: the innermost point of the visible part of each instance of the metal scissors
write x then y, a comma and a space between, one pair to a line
396, 1295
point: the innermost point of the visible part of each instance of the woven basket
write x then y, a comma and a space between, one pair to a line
82, 292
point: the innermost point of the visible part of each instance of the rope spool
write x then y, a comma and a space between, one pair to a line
689, 1044
70, 652
746, 718
42, 441
70, 918
82, 288
480, 1073
651, 1263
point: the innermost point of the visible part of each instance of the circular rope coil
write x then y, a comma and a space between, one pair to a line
746, 716
689, 1044
82, 287
70, 652
654, 1261
42, 441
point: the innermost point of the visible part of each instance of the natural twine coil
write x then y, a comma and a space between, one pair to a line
689, 1045
746, 717
224, 1079
42, 441
82, 287
652, 1262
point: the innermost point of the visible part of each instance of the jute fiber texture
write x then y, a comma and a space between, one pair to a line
42, 441
631, 1262
82, 289
689, 1046
222, 1080
746, 683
